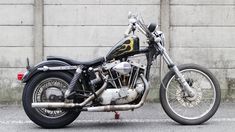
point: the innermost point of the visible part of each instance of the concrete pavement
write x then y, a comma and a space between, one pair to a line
149, 118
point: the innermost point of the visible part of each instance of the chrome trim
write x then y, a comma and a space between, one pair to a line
122, 107
180, 77
70, 105
57, 68
98, 108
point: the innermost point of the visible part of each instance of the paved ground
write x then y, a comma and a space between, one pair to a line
149, 118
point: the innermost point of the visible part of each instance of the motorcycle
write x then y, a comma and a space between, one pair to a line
57, 90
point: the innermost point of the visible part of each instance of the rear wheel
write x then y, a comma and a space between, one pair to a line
48, 87
190, 110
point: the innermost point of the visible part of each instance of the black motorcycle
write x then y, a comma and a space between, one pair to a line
57, 90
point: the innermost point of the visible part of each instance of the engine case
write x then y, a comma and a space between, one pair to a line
125, 84
120, 96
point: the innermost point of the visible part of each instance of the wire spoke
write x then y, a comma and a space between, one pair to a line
189, 107
172, 93
40, 95
173, 100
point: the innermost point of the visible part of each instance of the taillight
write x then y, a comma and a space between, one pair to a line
20, 76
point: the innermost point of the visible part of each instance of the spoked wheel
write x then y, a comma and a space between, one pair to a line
183, 108
48, 87
50, 90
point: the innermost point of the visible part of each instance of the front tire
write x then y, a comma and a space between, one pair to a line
48, 118
200, 108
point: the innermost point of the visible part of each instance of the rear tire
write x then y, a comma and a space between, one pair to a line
44, 120
180, 117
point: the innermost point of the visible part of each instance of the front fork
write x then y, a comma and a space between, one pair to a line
178, 74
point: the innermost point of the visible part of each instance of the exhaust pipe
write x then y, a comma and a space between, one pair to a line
98, 108
121, 107
70, 105
54, 105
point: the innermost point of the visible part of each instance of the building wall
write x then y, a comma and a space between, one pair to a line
86, 29
200, 31
16, 44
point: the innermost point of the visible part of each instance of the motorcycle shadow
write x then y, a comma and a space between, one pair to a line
126, 126
119, 125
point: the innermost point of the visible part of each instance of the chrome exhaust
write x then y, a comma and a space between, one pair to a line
70, 105
54, 105
121, 107
98, 108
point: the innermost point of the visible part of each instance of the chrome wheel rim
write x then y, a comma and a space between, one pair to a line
45, 91
200, 104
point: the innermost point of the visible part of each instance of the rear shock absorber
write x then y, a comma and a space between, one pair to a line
73, 82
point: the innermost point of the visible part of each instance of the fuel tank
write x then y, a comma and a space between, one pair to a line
124, 47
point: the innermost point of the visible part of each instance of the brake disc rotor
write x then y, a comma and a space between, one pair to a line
187, 101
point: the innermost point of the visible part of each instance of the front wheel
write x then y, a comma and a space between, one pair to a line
190, 110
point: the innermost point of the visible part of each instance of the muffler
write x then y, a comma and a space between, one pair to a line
70, 105
54, 105
98, 108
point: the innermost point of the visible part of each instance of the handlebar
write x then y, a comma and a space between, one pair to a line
135, 20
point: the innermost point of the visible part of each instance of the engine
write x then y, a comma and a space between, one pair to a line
125, 84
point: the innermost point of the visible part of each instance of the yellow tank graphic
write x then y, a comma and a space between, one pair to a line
123, 47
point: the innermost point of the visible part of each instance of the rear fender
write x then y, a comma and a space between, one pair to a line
34, 70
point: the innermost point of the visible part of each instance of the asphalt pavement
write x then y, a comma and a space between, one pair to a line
149, 118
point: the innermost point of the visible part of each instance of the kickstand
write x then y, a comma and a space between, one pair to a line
117, 115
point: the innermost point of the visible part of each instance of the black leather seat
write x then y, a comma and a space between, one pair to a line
94, 62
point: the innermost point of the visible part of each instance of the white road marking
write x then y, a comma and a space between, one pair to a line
116, 121
15, 122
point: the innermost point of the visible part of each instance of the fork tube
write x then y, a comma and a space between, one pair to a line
166, 57
179, 75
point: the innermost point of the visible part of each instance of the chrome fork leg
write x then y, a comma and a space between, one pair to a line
178, 74
183, 82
